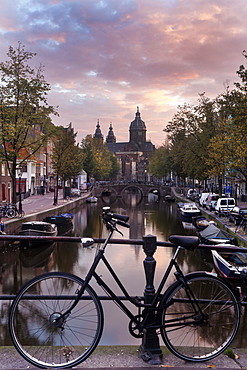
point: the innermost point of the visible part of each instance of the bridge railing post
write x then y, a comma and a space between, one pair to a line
150, 349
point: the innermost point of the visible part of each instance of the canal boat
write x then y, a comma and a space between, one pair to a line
231, 265
63, 219
169, 198
201, 222
38, 228
213, 235
92, 200
188, 211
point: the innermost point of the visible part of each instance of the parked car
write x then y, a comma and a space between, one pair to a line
224, 205
75, 192
237, 214
211, 201
203, 198
190, 193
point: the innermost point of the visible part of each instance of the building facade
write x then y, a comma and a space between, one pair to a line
132, 155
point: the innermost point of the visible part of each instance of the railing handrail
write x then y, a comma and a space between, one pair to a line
73, 239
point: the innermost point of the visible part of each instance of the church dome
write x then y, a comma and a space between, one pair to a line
138, 122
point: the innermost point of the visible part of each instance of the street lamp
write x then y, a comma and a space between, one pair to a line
20, 203
55, 190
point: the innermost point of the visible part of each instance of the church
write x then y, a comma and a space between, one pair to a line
132, 155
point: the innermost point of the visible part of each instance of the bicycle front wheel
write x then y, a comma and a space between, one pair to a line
10, 213
40, 337
201, 321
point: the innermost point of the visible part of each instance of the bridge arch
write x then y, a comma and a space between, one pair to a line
118, 189
155, 190
109, 192
132, 186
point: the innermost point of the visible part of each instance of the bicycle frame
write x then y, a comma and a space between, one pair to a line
136, 301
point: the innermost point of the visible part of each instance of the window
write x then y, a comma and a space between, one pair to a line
3, 169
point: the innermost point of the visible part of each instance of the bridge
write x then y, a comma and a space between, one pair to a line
119, 189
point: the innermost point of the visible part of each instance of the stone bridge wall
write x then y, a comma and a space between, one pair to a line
119, 189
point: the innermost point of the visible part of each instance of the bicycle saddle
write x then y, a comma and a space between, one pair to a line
187, 242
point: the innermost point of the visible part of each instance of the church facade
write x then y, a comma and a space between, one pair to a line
132, 155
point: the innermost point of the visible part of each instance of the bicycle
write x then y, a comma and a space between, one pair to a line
17, 211
10, 210
7, 211
242, 225
56, 320
224, 215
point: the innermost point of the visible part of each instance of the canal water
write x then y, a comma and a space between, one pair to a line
146, 217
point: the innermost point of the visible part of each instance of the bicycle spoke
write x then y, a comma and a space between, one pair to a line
52, 343
200, 328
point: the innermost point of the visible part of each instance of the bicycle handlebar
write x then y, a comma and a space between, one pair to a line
118, 219
121, 223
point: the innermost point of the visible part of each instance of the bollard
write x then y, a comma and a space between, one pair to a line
150, 349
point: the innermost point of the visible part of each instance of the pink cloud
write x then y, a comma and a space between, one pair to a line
103, 58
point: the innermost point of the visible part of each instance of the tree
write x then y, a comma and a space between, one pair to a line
219, 152
160, 163
88, 156
190, 132
115, 167
25, 123
98, 161
67, 157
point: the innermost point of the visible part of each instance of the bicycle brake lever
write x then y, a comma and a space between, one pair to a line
120, 232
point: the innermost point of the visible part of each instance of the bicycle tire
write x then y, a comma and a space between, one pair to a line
32, 329
222, 215
199, 339
21, 214
10, 213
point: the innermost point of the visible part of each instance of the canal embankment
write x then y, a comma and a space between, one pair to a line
37, 207
222, 223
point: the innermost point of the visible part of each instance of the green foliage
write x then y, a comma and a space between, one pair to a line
160, 163
67, 157
189, 133
25, 125
98, 161
209, 139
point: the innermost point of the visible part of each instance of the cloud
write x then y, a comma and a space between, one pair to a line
104, 58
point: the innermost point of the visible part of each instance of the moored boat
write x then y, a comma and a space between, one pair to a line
201, 222
213, 235
169, 198
189, 210
38, 228
60, 220
232, 265
92, 200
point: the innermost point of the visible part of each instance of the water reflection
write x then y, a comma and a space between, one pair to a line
149, 216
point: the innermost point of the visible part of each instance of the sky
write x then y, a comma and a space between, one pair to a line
103, 59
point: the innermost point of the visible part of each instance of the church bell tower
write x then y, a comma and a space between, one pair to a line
137, 131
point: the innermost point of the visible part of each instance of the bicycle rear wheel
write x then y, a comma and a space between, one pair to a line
201, 325
21, 214
45, 342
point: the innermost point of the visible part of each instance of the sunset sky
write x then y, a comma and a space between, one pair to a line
105, 58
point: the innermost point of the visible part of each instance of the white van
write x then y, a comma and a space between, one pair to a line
224, 205
202, 199
211, 201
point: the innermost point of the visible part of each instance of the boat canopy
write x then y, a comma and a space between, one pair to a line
213, 232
